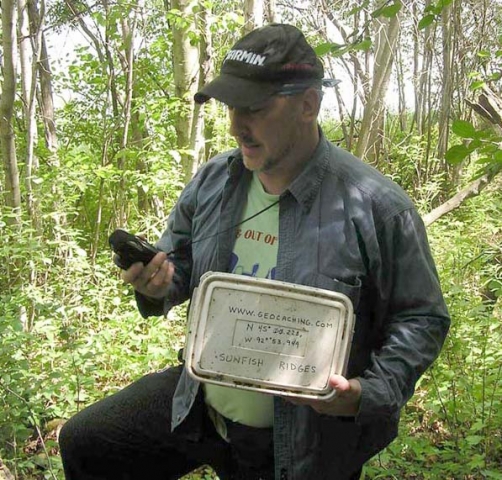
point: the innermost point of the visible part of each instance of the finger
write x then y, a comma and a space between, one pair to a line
339, 383
151, 269
163, 276
157, 285
139, 275
132, 273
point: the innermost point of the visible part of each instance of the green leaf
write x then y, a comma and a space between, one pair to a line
365, 45
336, 49
323, 49
484, 160
387, 10
477, 426
376, 13
474, 439
426, 21
340, 51
456, 154
391, 10
477, 84
463, 129
492, 474
357, 9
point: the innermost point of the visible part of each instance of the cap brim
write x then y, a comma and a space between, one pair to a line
237, 92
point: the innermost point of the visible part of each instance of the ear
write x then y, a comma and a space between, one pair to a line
311, 103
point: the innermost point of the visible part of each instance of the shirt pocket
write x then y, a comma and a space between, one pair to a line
353, 291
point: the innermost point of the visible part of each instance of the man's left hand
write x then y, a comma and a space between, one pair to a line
345, 403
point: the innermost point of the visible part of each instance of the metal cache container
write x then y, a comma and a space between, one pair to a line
267, 335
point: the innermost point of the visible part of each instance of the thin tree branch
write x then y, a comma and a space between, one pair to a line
472, 190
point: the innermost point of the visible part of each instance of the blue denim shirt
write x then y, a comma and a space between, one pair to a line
344, 227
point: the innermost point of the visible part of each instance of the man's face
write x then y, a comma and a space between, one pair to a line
269, 134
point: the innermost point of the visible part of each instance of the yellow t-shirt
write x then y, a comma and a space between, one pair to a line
254, 254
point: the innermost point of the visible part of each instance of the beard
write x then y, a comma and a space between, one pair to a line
280, 156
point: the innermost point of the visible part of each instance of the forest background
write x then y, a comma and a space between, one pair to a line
420, 99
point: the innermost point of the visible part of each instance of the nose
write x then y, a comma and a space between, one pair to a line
239, 124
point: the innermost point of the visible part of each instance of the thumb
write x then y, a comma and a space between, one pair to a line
339, 383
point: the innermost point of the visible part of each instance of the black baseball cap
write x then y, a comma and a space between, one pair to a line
261, 64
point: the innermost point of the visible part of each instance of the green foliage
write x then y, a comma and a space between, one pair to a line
410, 163
338, 50
67, 343
485, 143
453, 425
432, 13
387, 10
361, 40
490, 61
69, 330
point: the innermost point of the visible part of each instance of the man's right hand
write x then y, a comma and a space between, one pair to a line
151, 280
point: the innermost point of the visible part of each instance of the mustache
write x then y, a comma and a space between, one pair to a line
246, 139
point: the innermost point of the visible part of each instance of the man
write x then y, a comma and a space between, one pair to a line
340, 226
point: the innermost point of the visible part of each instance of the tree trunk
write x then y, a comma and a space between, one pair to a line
253, 15
139, 134
42, 72
128, 25
31, 52
427, 103
401, 85
206, 72
46, 96
489, 106
132, 118
7, 137
28, 87
417, 78
370, 136
186, 69
270, 11
446, 83
201, 132
25, 55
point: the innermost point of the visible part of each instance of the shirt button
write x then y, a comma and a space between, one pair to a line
284, 474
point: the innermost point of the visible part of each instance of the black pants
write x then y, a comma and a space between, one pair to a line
127, 436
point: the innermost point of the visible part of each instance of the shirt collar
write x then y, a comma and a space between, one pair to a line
306, 185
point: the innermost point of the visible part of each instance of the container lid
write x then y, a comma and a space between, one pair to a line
267, 335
